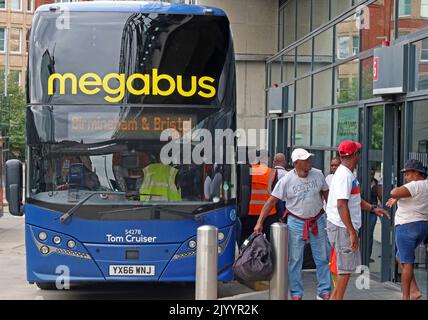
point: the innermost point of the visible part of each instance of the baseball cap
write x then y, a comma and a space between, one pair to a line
348, 147
300, 154
414, 165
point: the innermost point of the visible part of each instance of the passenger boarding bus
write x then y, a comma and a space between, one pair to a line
114, 89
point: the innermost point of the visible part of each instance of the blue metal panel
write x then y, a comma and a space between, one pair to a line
133, 6
91, 258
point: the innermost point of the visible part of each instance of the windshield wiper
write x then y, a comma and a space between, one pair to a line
70, 212
160, 206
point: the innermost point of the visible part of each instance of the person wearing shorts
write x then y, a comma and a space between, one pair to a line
344, 216
411, 223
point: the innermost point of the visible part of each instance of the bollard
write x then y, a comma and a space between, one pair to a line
206, 263
278, 288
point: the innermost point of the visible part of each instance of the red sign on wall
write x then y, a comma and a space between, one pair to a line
375, 68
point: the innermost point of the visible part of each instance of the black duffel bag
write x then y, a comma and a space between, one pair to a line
254, 262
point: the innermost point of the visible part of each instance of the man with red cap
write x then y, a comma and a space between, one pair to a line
344, 216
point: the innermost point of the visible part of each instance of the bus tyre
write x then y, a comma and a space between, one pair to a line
46, 285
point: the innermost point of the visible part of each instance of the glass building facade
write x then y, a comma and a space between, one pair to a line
324, 70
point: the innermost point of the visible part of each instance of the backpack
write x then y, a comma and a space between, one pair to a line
254, 262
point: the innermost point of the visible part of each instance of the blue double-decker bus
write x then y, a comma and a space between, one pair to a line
107, 82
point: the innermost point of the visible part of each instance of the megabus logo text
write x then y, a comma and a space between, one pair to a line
91, 83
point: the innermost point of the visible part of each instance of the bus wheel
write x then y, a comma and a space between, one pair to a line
46, 285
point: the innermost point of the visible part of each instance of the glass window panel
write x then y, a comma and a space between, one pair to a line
14, 76
345, 125
319, 13
376, 24
29, 5
15, 4
289, 22
2, 4
288, 66
303, 129
304, 14
404, 7
421, 62
289, 132
275, 72
424, 8
347, 35
346, 81
419, 132
304, 58
323, 49
321, 131
339, 6
289, 98
281, 29
411, 16
2, 35
367, 78
323, 88
15, 40
303, 96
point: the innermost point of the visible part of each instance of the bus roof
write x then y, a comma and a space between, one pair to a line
132, 6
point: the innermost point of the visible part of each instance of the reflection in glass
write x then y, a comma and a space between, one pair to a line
345, 125
346, 80
419, 151
304, 14
288, 66
275, 72
323, 88
321, 131
420, 49
374, 226
347, 38
304, 58
376, 23
412, 16
319, 13
303, 129
289, 31
367, 78
323, 49
339, 6
303, 94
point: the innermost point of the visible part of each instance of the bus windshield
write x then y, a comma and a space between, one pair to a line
75, 150
138, 58
103, 86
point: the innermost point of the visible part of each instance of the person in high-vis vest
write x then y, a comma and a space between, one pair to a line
159, 183
263, 179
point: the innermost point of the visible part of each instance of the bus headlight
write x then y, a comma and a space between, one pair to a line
192, 244
44, 250
43, 236
57, 239
71, 244
219, 250
220, 236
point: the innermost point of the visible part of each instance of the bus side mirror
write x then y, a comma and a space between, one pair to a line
14, 185
244, 183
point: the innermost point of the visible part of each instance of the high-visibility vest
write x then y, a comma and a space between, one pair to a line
261, 186
159, 183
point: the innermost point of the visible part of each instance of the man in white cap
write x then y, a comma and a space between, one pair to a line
303, 189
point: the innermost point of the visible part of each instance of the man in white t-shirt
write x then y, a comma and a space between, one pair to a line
303, 189
344, 216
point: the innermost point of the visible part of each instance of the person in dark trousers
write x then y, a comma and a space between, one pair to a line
263, 180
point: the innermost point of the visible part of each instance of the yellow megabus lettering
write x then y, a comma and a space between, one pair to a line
91, 83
